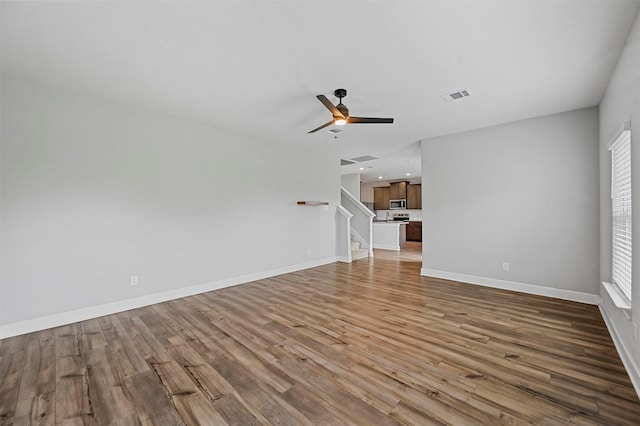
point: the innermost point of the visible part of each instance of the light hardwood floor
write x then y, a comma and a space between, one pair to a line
368, 343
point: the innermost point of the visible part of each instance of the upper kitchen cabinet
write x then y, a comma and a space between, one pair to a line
398, 191
414, 196
381, 198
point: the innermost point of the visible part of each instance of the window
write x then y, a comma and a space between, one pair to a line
620, 149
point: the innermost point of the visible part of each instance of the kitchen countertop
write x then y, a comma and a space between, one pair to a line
391, 222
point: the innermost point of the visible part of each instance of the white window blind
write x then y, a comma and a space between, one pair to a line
621, 211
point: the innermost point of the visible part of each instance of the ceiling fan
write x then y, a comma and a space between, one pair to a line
341, 113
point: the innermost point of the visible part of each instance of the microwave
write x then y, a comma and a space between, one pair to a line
397, 204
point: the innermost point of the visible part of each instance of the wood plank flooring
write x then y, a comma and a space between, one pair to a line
370, 343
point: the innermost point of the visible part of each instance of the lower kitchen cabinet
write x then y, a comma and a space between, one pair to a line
414, 231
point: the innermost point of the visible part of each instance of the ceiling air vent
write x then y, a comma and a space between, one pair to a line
364, 158
335, 130
457, 95
346, 162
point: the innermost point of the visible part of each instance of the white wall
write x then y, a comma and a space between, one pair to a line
351, 183
525, 193
621, 103
366, 190
94, 192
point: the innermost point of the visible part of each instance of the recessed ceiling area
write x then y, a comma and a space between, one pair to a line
257, 67
395, 165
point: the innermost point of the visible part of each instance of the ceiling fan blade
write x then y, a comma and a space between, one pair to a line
321, 127
331, 107
357, 120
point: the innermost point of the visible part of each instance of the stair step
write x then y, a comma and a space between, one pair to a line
355, 245
359, 254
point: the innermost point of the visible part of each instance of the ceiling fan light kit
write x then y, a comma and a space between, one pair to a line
341, 115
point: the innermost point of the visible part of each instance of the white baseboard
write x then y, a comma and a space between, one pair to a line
574, 296
82, 314
345, 259
385, 247
625, 354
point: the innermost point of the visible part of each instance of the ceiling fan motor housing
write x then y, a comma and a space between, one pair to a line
340, 93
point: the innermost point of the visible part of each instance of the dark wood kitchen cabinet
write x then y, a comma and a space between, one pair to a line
414, 231
381, 198
398, 191
414, 196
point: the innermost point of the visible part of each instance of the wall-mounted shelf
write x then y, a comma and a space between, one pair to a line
313, 203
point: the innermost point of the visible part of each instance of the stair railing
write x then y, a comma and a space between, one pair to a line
343, 238
362, 220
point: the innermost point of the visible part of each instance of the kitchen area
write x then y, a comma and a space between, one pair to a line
398, 209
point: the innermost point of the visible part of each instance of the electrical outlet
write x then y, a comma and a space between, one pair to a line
309, 250
505, 266
133, 280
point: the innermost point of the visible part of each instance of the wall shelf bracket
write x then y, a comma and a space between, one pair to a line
313, 203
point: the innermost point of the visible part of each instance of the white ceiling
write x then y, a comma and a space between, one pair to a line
257, 66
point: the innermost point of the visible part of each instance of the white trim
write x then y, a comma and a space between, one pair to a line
344, 212
386, 247
346, 234
364, 209
625, 354
625, 127
558, 293
615, 294
82, 314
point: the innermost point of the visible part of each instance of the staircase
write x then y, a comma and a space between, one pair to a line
357, 252
354, 229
